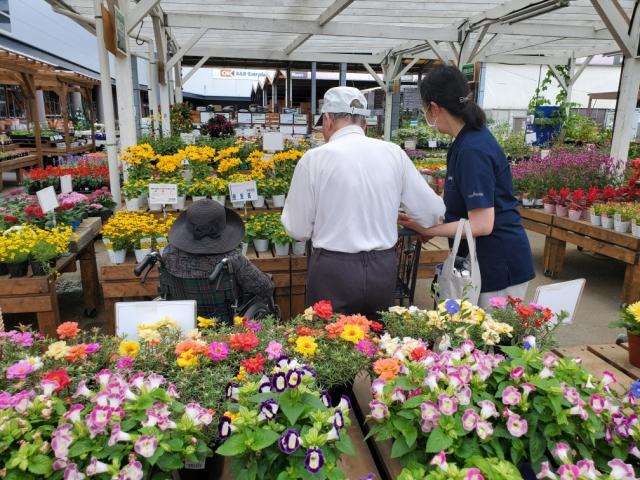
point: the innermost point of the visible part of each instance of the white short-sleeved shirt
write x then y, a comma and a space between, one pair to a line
345, 195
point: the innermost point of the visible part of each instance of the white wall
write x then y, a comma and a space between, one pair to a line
512, 86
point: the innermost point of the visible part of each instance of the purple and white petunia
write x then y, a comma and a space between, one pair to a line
440, 460
225, 427
294, 377
289, 441
117, 435
517, 426
314, 460
146, 445
378, 409
487, 409
326, 398
96, 467
72, 473
511, 396
429, 411
268, 410
447, 405
132, 471
279, 382
470, 419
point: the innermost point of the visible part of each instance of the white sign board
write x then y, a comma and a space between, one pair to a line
544, 153
66, 184
286, 129
163, 193
433, 144
300, 130
272, 141
47, 199
259, 118
243, 191
244, 118
300, 119
529, 138
286, 118
410, 144
372, 121
129, 315
188, 138
205, 116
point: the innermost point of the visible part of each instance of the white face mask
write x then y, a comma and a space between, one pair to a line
433, 125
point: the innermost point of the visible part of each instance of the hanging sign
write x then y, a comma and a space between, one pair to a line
66, 184
121, 31
47, 199
469, 71
163, 193
243, 191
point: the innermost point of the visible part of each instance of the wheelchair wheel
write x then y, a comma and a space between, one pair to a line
258, 309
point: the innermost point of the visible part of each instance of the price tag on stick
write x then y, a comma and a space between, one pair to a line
66, 184
243, 191
47, 199
163, 193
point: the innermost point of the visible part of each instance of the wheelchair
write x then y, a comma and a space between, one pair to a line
216, 296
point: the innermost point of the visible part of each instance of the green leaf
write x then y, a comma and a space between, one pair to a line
291, 410
80, 447
345, 445
404, 383
232, 446
537, 447
469, 448
414, 402
40, 465
399, 448
263, 438
437, 441
170, 462
175, 444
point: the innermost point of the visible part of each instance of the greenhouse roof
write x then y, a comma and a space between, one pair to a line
372, 31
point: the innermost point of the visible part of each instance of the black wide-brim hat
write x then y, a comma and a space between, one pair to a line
207, 227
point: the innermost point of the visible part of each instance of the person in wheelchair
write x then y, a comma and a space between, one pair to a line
200, 239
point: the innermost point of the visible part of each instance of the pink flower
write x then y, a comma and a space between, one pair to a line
378, 409
464, 395
608, 378
511, 396
588, 469
125, 363
399, 396
440, 460
252, 325
570, 394
517, 373
117, 435
517, 426
568, 472
132, 471
274, 350
447, 405
429, 411
484, 429
73, 414
488, 409
474, 474
527, 388
377, 388
218, 351
470, 419
366, 347
545, 471
621, 470
549, 360
561, 452
96, 467
92, 348
72, 473
498, 302
20, 370
146, 445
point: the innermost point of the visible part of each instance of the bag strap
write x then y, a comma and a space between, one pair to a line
449, 263
472, 248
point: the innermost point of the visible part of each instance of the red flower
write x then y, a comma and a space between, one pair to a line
525, 311
419, 353
303, 331
254, 364
59, 376
33, 211
376, 326
323, 309
10, 219
244, 341
547, 314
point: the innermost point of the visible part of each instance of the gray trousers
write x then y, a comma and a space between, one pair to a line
362, 282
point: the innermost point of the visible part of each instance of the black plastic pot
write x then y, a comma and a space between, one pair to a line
105, 215
212, 470
39, 270
3, 269
17, 270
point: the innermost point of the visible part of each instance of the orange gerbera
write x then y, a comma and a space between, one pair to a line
195, 347
77, 352
334, 329
67, 330
387, 368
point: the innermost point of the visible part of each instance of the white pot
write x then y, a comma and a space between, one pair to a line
221, 199
259, 203
282, 250
635, 229
144, 201
607, 222
180, 204
133, 205
278, 201
260, 244
244, 246
621, 227
117, 256
527, 202
238, 204
155, 207
549, 208
141, 253
299, 248
595, 219
197, 198
538, 202
575, 214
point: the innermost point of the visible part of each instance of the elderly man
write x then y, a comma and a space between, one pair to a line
345, 197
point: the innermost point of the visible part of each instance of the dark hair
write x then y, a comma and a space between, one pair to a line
447, 87
354, 119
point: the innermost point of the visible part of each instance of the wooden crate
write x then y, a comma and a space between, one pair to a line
434, 252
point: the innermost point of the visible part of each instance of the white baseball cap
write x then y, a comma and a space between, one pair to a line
339, 99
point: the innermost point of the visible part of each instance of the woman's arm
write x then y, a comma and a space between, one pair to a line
481, 220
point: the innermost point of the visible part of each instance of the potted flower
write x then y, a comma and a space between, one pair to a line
562, 209
635, 221
138, 160
622, 218
281, 241
260, 229
592, 195
629, 319
42, 258
199, 189
199, 160
279, 190
16, 244
549, 201
101, 204
596, 213
133, 191
577, 204
606, 216
220, 189
299, 248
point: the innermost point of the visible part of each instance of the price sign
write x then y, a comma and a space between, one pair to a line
410, 144
259, 118
286, 118
163, 193
433, 144
66, 185
47, 199
273, 141
529, 138
243, 191
244, 117
544, 153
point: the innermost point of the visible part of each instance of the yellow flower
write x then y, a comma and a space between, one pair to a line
57, 350
309, 313
634, 309
206, 322
129, 348
306, 346
232, 416
241, 376
352, 333
237, 320
188, 359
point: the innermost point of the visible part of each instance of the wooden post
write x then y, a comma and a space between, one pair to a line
64, 109
29, 90
631, 286
554, 251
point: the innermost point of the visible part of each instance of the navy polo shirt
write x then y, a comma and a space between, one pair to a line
479, 176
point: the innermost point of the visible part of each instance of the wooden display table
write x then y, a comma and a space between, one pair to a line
434, 252
39, 295
17, 164
289, 274
561, 230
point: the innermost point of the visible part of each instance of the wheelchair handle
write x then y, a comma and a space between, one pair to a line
216, 271
148, 261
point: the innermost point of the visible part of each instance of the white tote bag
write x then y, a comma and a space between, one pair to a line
458, 276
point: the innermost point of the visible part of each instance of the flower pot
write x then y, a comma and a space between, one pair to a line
75, 224
221, 199
260, 244
179, 205
133, 204
259, 203
39, 270
207, 469
197, 198
17, 270
595, 219
549, 208
299, 248
635, 229
244, 246
620, 226
155, 207
282, 249
634, 349
238, 204
527, 202
606, 222
586, 214
278, 201
105, 215
117, 256
3, 269
562, 211
575, 214
141, 253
